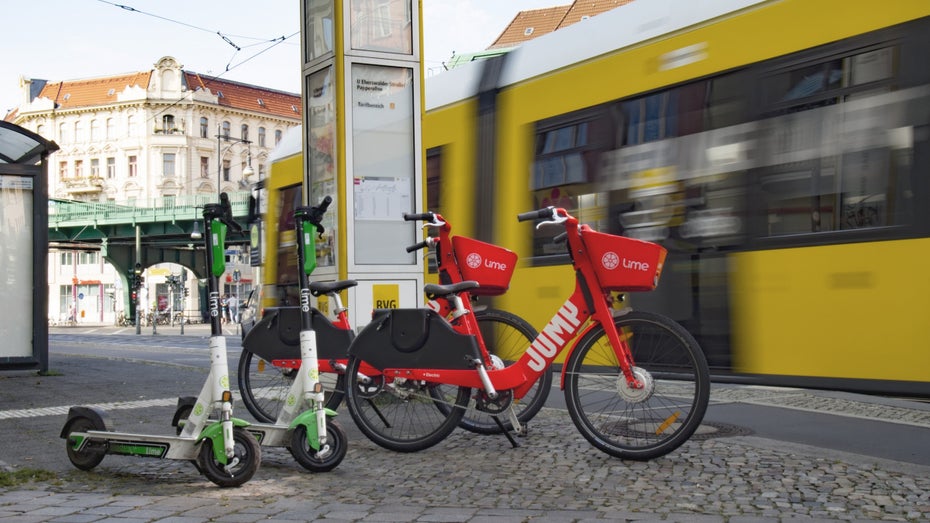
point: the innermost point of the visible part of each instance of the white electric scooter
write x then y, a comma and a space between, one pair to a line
224, 451
318, 444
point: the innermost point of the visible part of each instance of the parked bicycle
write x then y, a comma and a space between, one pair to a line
270, 355
636, 385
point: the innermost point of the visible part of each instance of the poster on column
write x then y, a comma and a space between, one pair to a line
383, 163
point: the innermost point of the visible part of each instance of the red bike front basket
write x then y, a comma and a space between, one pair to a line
488, 264
624, 264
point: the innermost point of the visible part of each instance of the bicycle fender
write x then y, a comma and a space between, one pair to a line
277, 336
568, 354
414, 339
214, 431
307, 418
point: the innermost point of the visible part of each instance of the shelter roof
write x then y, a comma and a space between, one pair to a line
21, 146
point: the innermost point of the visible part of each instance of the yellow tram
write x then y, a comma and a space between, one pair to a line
779, 149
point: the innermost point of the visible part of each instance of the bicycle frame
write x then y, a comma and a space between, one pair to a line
588, 302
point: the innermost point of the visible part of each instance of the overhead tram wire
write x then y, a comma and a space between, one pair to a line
226, 38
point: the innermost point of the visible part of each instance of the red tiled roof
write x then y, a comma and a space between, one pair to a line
97, 91
589, 8
92, 91
549, 19
536, 21
244, 96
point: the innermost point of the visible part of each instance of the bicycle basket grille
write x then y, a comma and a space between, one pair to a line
488, 264
624, 264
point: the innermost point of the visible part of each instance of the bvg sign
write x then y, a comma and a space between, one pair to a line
386, 296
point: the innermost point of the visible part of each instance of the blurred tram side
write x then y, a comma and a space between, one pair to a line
779, 149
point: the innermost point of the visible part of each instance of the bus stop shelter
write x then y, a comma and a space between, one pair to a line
24, 247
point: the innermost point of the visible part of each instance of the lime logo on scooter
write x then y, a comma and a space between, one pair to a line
214, 304
305, 300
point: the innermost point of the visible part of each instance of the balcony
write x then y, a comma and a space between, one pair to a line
82, 185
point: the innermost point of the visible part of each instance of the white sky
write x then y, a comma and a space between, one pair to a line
72, 39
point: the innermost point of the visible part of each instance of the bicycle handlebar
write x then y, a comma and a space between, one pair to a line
548, 212
424, 216
418, 246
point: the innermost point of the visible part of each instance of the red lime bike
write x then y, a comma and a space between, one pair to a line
636, 384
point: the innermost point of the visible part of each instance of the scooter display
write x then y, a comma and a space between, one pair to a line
317, 443
222, 450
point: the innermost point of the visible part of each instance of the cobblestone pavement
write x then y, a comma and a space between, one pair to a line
729, 476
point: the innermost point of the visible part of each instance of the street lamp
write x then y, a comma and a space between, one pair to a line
246, 172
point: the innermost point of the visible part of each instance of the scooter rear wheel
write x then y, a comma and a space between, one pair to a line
89, 455
246, 449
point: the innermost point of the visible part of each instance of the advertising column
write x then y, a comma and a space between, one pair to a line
362, 92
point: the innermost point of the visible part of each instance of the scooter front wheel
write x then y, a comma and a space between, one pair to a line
309, 458
84, 455
248, 452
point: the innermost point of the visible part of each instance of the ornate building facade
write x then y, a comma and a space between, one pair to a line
140, 139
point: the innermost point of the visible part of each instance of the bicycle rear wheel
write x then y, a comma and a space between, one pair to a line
403, 415
264, 387
638, 424
506, 336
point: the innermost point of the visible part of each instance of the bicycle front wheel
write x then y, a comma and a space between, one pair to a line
400, 414
646, 423
264, 387
507, 336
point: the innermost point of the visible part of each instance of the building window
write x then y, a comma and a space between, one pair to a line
167, 124
245, 132
204, 166
133, 166
111, 168
261, 171
78, 168
95, 168
88, 258
261, 136
204, 127
225, 131
225, 170
132, 130
62, 170
168, 161
79, 131
277, 137
94, 130
111, 128
62, 133
66, 259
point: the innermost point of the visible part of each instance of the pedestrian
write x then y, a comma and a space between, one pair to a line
225, 304
233, 307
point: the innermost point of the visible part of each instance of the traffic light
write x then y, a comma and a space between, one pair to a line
134, 296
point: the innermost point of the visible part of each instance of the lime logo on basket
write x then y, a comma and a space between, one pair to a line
224, 381
473, 260
610, 260
198, 409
